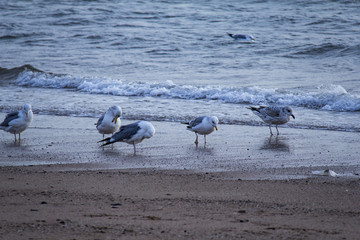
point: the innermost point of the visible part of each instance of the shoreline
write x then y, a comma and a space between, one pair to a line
59, 183
245, 152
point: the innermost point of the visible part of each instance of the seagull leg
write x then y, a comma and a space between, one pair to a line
103, 147
134, 149
19, 138
196, 140
204, 139
112, 146
270, 130
277, 129
15, 137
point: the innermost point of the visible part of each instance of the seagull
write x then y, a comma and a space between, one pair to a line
242, 37
16, 122
203, 125
132, 133
109, 122
273, 115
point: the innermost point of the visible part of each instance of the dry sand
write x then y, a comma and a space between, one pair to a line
59, 184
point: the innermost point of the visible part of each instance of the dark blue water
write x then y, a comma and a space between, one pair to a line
168, 60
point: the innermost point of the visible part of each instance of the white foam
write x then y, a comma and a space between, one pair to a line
325, 97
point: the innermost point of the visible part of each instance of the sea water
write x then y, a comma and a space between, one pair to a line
173, 60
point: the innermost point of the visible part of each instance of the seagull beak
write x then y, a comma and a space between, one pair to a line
114, 120
27, 114
216, 128
292, 116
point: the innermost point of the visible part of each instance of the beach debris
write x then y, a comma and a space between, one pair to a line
152, 218
326, 172
115, 205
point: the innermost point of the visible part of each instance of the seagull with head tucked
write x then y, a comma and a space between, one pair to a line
133, 133
203, 125
109, 122
17, 122
276, 115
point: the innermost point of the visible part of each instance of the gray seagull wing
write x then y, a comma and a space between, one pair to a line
272, 111
196, 122
126, 132
9, 118
100, 120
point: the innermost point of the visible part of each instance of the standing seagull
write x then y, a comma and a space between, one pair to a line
203, 125
109, 122
16, 122
132, 133
273, 115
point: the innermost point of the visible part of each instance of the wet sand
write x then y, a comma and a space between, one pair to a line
59, 183
246, 152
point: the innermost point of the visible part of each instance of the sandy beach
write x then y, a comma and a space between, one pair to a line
58, 183
169, 62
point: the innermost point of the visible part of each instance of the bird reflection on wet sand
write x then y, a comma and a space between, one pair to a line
276, 143
203, 149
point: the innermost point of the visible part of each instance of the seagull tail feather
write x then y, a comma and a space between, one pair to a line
107, 141
253, 108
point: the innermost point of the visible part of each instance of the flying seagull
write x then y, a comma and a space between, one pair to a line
242, 37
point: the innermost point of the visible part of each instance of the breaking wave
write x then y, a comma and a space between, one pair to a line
329, 97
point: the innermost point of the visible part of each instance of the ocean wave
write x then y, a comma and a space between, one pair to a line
322, 50
351, 50
7, 74
325, 97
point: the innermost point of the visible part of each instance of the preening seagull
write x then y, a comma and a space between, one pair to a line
243, 37
132, 133
203, 125
17, 122
109, 122
276, 115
